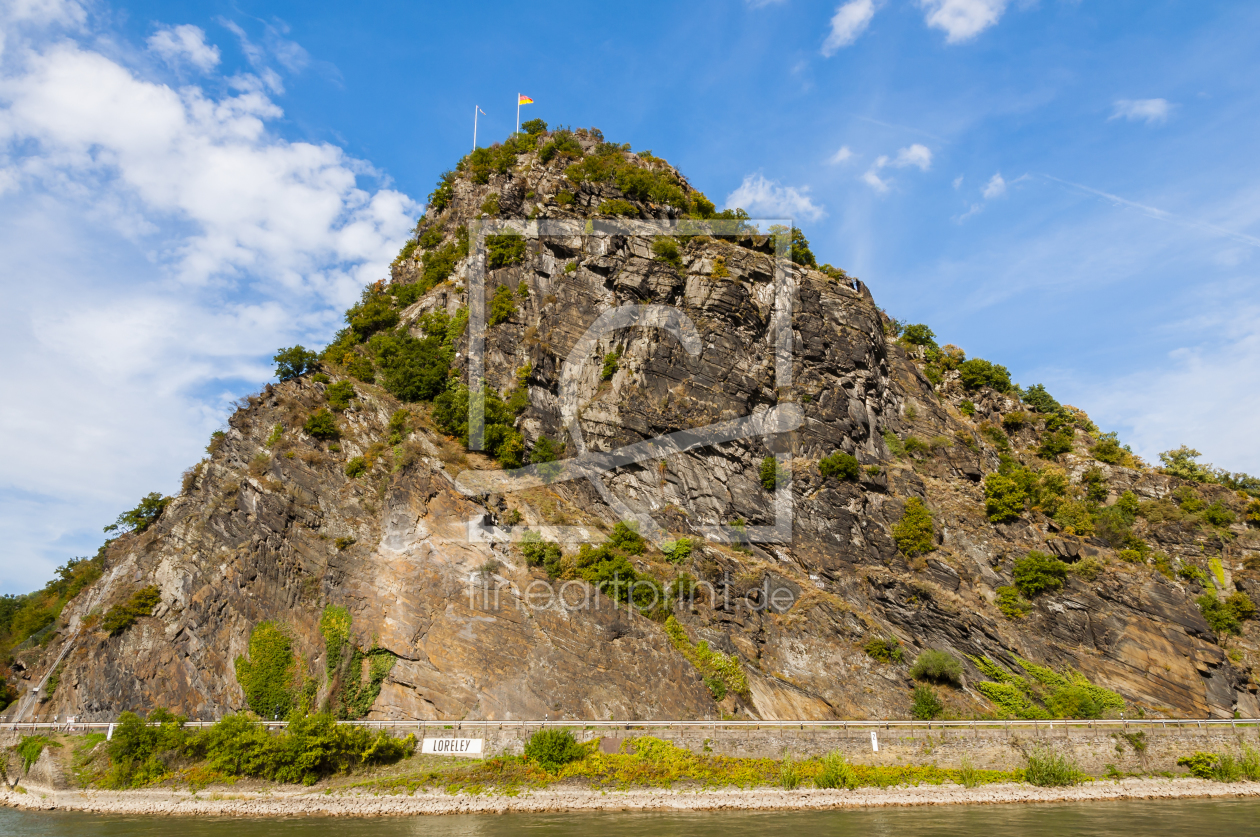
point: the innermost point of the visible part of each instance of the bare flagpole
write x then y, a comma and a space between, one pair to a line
518, 113
476, 108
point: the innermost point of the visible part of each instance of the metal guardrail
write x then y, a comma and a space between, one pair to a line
460, 726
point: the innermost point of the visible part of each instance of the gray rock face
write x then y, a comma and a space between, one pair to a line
278, 533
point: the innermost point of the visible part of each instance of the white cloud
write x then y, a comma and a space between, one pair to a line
841, 156
875, 181
848, 23
958, 181
768, 198
160, 244
1150, 111
962, 20
185, 43
995, 188
912, 156
758, 4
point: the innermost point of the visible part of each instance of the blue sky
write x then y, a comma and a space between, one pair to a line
1064, 187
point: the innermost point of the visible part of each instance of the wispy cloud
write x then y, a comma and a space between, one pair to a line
1150, 111
760, 196
962, 20
185, 44
842, 156
995, 188
1163, 215
848, 23
912, 156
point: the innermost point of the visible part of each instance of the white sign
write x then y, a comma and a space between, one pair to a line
874, 742
452, 746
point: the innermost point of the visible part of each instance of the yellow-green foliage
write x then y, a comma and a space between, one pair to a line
334, 624
914, 533
651, 762
122, 616
1065, 694
269, 675
1218, 571
721, 673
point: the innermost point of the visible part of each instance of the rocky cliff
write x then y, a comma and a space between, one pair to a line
329, 511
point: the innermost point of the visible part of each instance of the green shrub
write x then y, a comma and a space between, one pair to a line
1218, 515
502, 306
915, 533
677, 551
361, 368
444, 192
295, 362
1190, 572
1003, 498
1047, 769
884, 650
490, 206
30, 747
339, 395
1038, 573
1015, 421
1249, 764
1108, 449
504, 250
918, 334
398, 428
142, 516
895, 446
562, 145
937, 667
407, 250
122, 616
356, 467
412, 369
789, 774
926, 706
322, 425
373, 313
534, 127
552, 749
269, 675
1053, 444
798, 249
839, 465
665, 248
976, 373
611, 364
626, 538
916, 446
545, 450
1011, 603
1074, 701
1200, 765
565, 199
1076, 518
967, 408
1226, 617
540, 553
772, 473
835, 773
619, 207
1040, 400
1180, 463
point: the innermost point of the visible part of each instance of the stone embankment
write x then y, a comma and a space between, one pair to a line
301, 802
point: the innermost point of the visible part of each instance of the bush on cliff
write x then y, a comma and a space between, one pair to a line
1038, 572
123, 615
269, 676
142, 516
938, 667
914, 533
839, 465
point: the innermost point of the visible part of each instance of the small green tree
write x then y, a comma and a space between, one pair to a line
534, 126
504, 250
665, 249
339, 395
772, 473
552, 749
295, 362
839, 465
1038, 572
976, 373
918, 334
268, 676
926, 704
142, 516
322, 425
1040, 400
502, 306
1181, 463
914, 533
1003, 498
937, 667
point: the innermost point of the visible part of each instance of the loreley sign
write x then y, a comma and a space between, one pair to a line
452, 746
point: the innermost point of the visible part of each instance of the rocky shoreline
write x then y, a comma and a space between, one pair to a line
288, 802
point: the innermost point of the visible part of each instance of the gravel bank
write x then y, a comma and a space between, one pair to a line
299, 802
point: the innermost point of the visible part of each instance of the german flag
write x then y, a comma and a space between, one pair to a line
524, 100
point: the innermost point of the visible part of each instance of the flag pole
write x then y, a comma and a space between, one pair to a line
518, 113
475, 109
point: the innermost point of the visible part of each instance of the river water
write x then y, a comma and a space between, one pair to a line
1172, 818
